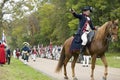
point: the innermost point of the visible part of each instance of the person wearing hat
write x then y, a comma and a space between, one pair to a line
25, 53
85, 26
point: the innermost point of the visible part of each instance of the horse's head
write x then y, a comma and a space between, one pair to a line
114, 30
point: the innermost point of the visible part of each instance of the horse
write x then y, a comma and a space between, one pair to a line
97, 48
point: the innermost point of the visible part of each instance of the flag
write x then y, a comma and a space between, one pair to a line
3, 37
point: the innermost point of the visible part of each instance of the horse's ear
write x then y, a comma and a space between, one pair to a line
116, 21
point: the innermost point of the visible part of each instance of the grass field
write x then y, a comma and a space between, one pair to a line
19, 71
113, 60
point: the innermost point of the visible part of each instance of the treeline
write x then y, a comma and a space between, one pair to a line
53, 22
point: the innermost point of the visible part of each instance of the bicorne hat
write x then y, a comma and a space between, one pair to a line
87, 8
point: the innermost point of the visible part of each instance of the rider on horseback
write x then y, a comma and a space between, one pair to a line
85, 26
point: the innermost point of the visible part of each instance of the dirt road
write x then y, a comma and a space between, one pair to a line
48, 66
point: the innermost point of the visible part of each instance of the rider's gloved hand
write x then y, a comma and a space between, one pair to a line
96, 27
72, 10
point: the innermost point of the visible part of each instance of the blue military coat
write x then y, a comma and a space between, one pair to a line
82, 19
25, 48
76, 43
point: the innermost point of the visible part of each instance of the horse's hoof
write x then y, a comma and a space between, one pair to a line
66, 77
74, 78
104, 78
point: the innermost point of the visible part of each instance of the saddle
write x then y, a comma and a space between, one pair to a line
90, 36
76, 43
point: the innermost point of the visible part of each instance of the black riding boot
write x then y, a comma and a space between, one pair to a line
82, 51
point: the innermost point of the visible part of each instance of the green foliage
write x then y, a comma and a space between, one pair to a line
54, 22
19, 33
73, 24
112, 59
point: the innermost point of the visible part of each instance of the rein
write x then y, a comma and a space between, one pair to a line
109, 37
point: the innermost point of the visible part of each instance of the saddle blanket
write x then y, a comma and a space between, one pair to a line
76, 43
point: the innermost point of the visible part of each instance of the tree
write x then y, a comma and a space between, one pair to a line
2, 4
17, 11
33, 27
46, 20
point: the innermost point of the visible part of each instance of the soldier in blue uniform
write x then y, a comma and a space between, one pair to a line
85, 26
25, 53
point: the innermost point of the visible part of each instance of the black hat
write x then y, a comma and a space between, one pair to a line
87, 8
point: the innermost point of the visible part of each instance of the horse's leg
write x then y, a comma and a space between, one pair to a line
103, 58
93, 66
73, 66
65, 64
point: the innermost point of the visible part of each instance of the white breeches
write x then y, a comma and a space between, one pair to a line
34, 56
86, 60
84, 38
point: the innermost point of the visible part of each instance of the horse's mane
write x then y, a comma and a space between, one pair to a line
102, 30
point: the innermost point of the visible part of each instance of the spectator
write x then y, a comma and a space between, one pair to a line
17, 53
8, 55
2, 54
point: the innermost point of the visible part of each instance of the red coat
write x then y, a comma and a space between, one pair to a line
34, 51
2, 54
50, 48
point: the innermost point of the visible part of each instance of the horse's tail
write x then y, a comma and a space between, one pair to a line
61, 60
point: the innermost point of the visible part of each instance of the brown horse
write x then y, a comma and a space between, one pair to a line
97, 48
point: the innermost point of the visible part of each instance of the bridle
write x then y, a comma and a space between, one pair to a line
109, 36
